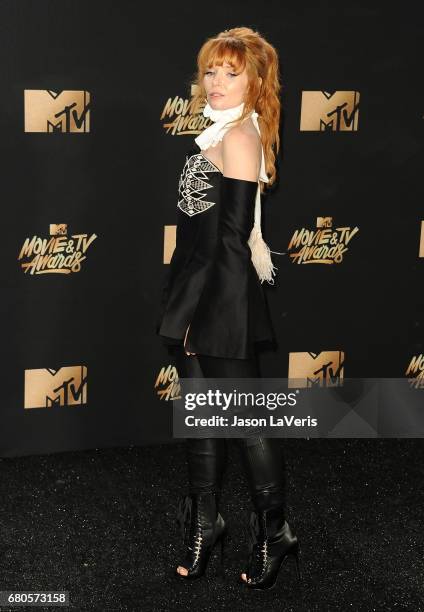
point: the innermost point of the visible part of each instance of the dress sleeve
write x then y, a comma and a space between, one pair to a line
220, 324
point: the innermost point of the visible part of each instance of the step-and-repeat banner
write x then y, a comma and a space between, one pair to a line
96, 117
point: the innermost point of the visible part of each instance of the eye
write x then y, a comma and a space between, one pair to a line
232, 74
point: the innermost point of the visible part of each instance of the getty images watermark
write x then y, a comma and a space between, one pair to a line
278, 407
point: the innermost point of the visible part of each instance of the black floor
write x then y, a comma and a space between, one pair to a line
100, 524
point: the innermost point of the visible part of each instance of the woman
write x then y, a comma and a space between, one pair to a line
213, 314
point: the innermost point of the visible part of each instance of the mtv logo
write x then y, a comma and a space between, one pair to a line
58, 229
322, 111
316, 369
51, 111
323, 222
47, 387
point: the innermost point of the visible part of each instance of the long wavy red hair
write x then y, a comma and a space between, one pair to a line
242, 48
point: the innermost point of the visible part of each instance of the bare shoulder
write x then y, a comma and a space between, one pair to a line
241, 152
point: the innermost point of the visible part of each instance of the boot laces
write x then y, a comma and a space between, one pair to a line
192, 533
198, 541
259, 546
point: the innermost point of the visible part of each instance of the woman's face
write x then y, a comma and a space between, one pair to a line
224, 88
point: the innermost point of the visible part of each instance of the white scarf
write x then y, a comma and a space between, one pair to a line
261, 254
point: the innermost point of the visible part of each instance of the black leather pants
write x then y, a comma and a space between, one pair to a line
262, 458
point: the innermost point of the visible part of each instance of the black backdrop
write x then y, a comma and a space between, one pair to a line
117, 179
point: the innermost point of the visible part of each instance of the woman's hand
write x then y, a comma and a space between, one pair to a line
187, 352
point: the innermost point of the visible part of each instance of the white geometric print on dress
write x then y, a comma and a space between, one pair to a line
192, 181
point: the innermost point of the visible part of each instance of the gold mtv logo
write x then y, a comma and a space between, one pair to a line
58, 229
47, 387
169, 241
316, 369
323, 222
322, 111
50, 111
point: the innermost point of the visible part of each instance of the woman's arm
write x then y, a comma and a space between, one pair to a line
241, 155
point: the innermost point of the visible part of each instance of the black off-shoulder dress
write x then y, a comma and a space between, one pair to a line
211, 283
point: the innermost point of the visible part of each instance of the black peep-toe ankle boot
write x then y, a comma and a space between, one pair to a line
272, 541
202, 527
